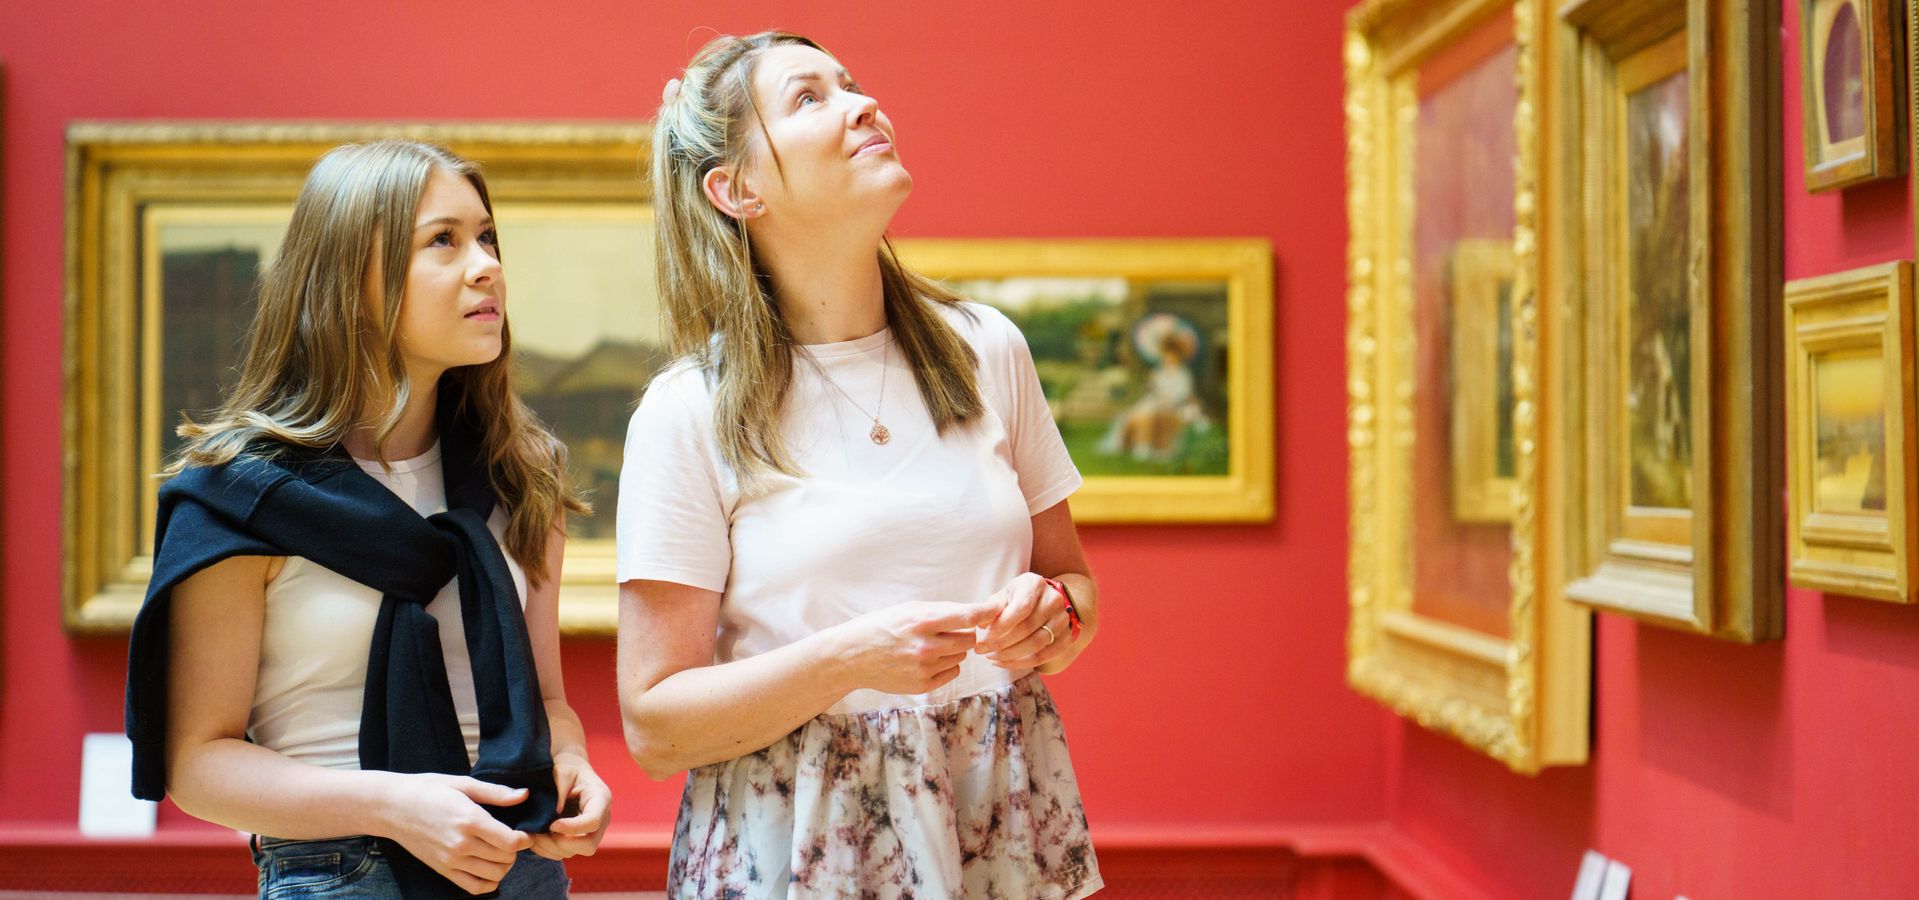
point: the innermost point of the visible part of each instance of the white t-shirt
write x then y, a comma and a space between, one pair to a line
867, 526
319, 627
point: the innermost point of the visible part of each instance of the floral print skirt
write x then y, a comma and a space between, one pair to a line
974, 798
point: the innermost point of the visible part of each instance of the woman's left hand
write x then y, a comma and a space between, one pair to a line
581, 789
1032, 630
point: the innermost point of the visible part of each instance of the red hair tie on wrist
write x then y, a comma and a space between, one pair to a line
1072, 612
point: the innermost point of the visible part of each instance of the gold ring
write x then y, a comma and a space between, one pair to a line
1050, 637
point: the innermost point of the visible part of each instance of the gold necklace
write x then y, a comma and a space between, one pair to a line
878, 433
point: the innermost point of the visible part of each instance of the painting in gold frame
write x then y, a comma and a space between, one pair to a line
1849, 420
1479, 285
168, 224
1156, 359
1512, 682
1670, 221
1850, 113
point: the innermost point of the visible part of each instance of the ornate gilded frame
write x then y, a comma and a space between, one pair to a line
1245, 492
113, 169
1522, 699
1713, 567
1878, 152
1847, 318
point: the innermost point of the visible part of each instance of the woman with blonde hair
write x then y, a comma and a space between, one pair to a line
844, 545
350, 641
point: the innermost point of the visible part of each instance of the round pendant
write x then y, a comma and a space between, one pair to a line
879, 434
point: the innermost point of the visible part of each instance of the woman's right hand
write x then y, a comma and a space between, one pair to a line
438, 819
912, 648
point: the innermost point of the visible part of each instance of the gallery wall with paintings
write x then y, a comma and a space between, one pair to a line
1712, 369
1497, 415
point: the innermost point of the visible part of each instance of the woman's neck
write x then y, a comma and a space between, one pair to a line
412, 435
829, 291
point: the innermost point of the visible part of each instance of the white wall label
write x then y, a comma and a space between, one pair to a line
107, 805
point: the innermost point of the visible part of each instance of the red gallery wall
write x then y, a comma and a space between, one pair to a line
1214, 707
1719, 771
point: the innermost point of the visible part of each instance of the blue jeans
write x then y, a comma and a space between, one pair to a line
354, 867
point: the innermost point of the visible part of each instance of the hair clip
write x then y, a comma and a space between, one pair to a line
672, 90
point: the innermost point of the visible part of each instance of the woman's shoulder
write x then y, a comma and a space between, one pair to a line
268, 457
685, 379
988, 330
972, 315
255, 469
678, 395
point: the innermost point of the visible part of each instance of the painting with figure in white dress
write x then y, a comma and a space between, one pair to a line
1134, 370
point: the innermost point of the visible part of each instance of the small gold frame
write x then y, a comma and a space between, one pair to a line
113, 171
1480, 278
1847, 319
1877, 152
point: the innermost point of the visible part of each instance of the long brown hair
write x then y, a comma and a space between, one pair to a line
719, 305
318, 356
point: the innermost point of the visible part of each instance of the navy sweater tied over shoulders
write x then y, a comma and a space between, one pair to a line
322, 506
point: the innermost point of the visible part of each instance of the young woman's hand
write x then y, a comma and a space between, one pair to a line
913, 647
1032, 630
438, 819
581, 789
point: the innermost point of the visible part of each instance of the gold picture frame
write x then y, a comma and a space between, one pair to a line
1851, 116
1157, 359
1671, 224
1851, 521
1514, 684
1479, 285
166, 224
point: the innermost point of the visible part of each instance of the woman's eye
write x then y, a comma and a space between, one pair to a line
489, 238
807, 97
443, 239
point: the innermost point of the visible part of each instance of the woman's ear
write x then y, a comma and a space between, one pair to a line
731, 196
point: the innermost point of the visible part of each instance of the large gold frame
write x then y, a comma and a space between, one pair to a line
1522, 699
113, 169
1245, 493
1719, 570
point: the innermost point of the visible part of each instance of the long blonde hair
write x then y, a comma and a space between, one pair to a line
318, 356
719, 305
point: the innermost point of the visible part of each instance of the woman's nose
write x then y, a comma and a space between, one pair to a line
482, 266
864, 109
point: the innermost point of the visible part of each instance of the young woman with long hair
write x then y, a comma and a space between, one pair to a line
350, 643
843, 539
